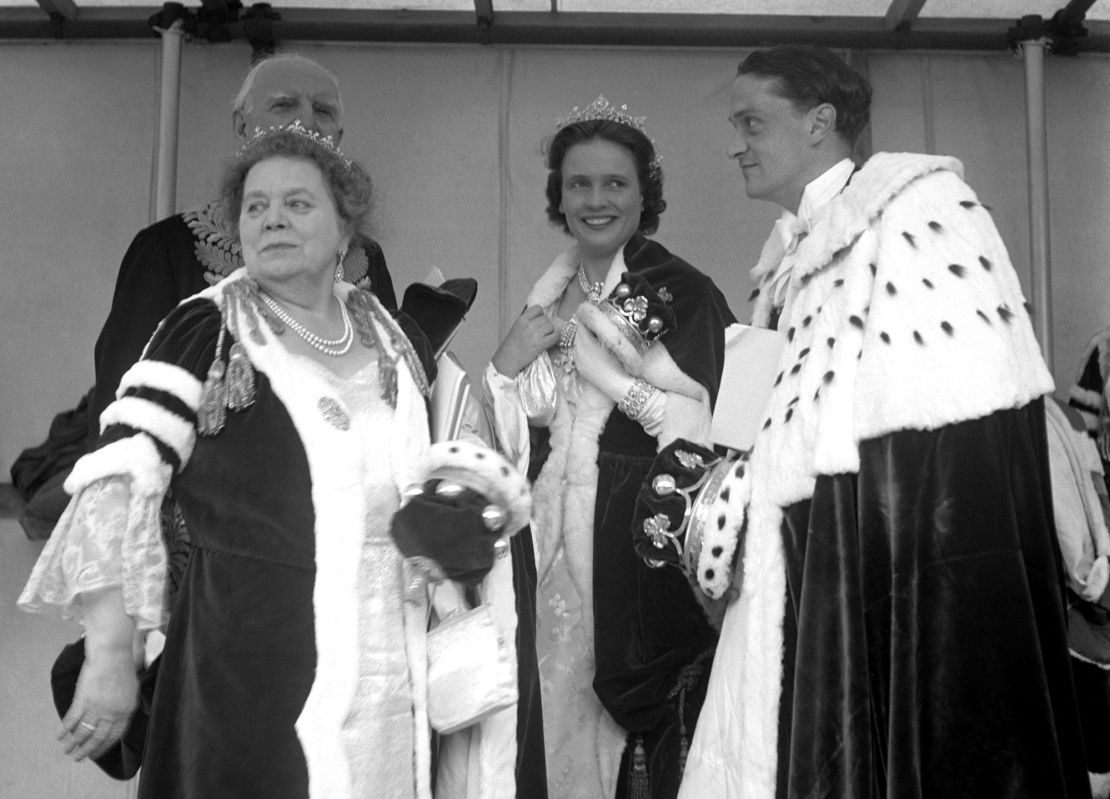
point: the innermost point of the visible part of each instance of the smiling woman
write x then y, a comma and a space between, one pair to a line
618, 351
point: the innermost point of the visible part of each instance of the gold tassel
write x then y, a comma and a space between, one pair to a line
211, 414
240, 379
639, 783
387, 374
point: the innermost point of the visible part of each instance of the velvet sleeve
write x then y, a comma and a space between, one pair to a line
158, 271
169, 377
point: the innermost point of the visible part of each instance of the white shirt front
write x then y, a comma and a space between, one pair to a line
791, 228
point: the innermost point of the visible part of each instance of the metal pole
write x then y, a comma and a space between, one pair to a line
165, 174
1037, 157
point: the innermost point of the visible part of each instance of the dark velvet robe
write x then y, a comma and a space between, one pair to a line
240, 650
940, 685
900, 629
649, 628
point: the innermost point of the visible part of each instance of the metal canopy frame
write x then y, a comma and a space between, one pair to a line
900, 28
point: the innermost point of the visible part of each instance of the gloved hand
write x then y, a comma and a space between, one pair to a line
599, 366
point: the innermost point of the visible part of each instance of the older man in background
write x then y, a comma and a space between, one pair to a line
178, 256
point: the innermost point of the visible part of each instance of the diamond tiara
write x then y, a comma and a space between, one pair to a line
295, 127
601, 108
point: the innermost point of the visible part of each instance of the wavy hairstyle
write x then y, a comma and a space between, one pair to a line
808, 76
637, 144
346, 180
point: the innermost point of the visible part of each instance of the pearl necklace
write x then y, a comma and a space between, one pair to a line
329, 346
591, 290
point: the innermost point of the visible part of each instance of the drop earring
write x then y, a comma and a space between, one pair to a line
341, 255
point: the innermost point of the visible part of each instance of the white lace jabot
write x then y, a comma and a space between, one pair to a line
790, 228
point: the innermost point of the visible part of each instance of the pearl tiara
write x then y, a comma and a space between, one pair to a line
295, 127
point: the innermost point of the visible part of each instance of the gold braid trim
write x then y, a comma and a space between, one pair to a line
216, 246
365, 312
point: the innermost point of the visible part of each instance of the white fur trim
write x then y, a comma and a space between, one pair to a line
722, 530
163, 376
339, 509
135, 456
553, 282
930, 300
855, 280
165, 426
734, 752
482, 469
564, 496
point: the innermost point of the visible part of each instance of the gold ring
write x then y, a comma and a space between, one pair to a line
87, 726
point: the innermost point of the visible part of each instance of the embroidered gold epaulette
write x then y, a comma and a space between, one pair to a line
216, 245
357, 266
365, 311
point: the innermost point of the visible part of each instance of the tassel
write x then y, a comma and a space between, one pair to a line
211, 414
387, 374
683, 751
639, 783
240, 379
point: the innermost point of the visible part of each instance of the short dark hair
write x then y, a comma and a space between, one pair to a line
808, 75
346, 180
637, 144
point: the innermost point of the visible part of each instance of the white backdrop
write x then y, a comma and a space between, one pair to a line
452, 137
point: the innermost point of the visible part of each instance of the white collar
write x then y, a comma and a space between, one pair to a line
823, 188
790, 227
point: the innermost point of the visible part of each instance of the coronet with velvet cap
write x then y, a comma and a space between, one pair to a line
457, 519
632, 318
671, 507
690, 514
482, 470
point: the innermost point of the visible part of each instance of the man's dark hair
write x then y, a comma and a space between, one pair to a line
808, 76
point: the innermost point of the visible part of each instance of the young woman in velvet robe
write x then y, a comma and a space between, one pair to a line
623, 648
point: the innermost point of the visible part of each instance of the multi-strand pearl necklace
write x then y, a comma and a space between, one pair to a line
329, 346
591, 290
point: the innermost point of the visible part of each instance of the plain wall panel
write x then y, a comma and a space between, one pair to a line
452, 136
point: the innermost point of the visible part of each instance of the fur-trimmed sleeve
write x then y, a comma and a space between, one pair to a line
110, 535
157, 402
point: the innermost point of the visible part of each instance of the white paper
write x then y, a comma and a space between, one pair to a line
751, 362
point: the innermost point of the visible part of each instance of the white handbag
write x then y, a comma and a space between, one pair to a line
471, 673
